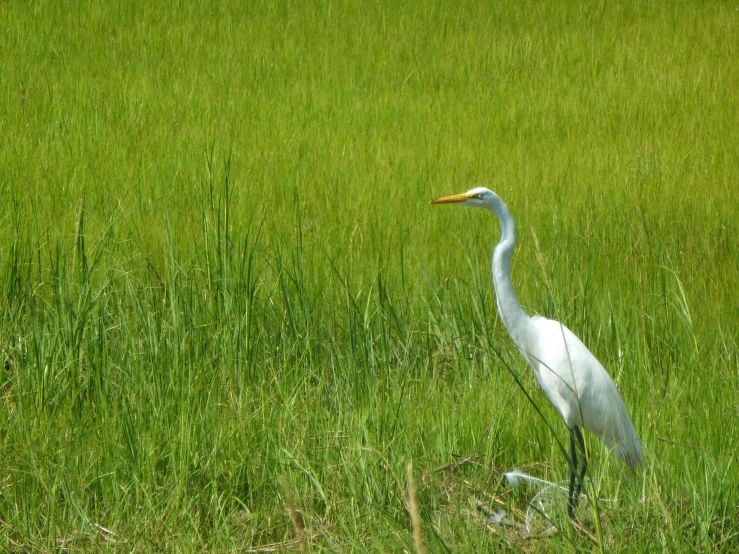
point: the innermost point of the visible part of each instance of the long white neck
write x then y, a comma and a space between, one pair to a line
516, 321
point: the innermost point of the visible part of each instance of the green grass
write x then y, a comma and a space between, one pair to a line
219, 269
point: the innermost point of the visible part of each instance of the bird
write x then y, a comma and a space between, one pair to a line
572, 378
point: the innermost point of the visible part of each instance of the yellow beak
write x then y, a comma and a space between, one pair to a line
454, 199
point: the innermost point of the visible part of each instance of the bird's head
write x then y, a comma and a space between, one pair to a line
479, 197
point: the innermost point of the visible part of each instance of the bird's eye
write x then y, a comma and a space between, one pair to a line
479, 196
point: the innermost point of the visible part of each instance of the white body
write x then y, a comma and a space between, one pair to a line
580, 388
572, 378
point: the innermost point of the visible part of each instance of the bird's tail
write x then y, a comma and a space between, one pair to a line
629, 452
623, 442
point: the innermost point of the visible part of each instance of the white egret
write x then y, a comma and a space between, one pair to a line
572, 378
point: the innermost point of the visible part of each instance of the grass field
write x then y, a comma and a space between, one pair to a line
221, 283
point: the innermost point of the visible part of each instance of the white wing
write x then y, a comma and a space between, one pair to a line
580, 388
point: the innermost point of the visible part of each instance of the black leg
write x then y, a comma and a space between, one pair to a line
573, 472
584, 461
